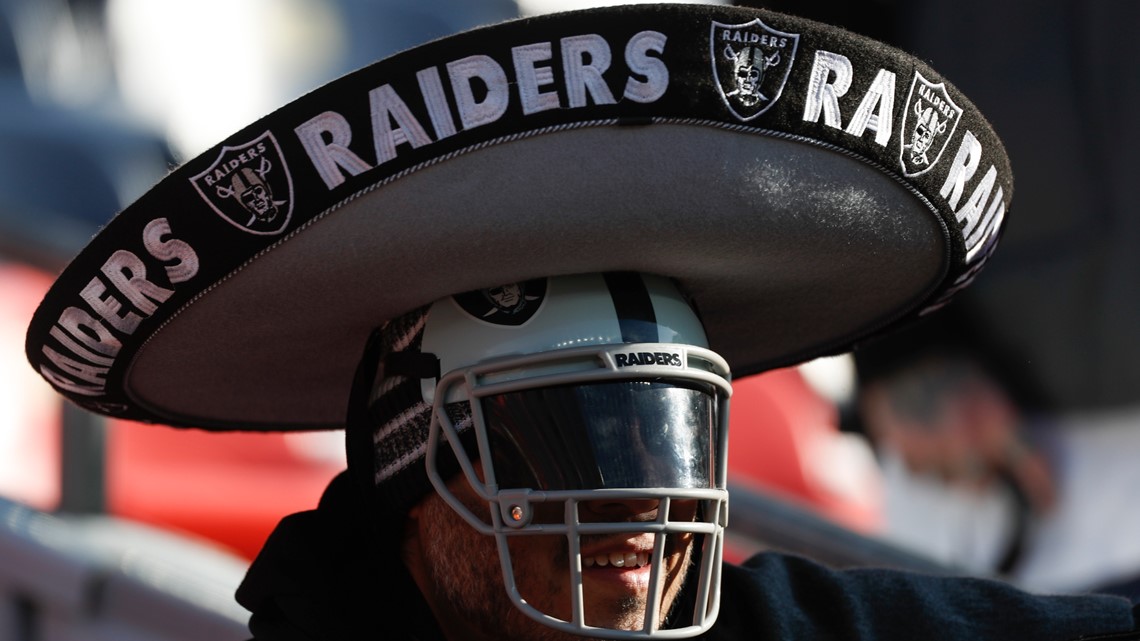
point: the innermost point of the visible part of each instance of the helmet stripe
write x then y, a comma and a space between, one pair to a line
634, 307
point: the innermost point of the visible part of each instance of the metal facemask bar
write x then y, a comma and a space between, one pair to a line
678, 371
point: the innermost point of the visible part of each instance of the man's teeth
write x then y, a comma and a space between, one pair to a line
617, 559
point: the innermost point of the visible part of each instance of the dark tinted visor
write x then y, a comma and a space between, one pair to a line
626, 434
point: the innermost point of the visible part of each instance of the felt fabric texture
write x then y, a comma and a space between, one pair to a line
807, 188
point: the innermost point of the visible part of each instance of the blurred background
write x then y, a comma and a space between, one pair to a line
110, 529
1006, 428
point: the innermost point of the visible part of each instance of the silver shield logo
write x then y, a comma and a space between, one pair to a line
249, 186
508, 304
751, 63
929, 120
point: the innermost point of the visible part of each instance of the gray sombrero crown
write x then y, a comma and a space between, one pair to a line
807, 187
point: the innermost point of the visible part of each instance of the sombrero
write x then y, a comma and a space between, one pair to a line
808, 188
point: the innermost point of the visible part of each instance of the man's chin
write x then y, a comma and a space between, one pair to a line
627, 614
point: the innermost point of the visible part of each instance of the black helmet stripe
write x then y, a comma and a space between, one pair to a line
634, 307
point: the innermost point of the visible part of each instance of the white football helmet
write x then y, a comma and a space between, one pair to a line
584, 388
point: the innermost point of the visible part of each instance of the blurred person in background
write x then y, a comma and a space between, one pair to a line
1009, 422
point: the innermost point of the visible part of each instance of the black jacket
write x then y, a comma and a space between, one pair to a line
323, 575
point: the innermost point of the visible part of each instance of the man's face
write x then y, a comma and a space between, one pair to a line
747, 77
463, 568
506, 296
256, 199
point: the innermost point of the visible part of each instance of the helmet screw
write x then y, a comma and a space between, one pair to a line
516, 513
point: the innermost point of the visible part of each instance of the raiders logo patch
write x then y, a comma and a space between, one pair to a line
751, 63
250, 186
509, 304
629, 359
929, 120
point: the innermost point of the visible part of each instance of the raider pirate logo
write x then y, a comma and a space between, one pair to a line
935, 117
751, 63
250, 186
510, 304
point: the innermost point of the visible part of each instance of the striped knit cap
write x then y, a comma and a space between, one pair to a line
399, 419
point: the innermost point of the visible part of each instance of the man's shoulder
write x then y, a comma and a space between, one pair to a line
801, 598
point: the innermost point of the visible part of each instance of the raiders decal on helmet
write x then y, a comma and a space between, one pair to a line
250, 186
751, 63
508, 304
935, 118
630, 359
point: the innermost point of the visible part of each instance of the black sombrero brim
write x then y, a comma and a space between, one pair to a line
847, 189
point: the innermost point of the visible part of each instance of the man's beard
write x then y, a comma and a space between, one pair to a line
464, 569
463, 566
